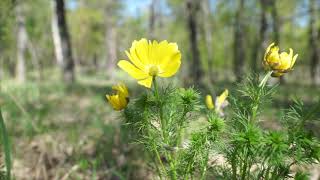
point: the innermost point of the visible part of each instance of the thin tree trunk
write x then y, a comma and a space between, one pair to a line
314, 44
276, 23
239, 43
35, 59
276, 28
152, 19
56, 36
21, 43
62, 41
208, 35
261, 38
195, 68
111, 40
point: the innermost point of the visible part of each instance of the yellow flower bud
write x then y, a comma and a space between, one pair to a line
209, 102
122, 89
120, 99
220, 100
118, 102
279, 63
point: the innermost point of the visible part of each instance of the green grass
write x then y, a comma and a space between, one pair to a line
79, 117
6, 146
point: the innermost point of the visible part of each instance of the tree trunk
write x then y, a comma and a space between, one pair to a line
314, 44
62, 42
276, 28
56, 36
261, 38
208, 35
111, 40
239, 43
21, 43
152, 19
196, 71
35, 59
276, 23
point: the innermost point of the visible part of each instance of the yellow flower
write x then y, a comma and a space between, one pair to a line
209, 102
220, 101
149, 59
279, 63
122, 89
120, 99
117, 101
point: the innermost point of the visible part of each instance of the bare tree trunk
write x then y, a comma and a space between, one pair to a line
21, 43
261, 38
56, 36
196, 71
152, 19
276, 23
35, 59
62, 41
208, 35
239, 43
276, 28
111, 39
314, 44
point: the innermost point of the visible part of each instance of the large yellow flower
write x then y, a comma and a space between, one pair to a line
279, 63
120, 99
149, 59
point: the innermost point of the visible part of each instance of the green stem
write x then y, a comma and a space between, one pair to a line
234, 166
6, 146
245, 164
181, 123
160, 161
158, 158
265, 79
173, 173
156, 94
204, 165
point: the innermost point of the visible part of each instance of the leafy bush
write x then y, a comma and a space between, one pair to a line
160, 118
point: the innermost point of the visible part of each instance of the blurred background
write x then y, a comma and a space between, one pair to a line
58, 60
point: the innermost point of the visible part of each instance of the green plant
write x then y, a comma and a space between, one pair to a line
161, 120
6, 147
256, 153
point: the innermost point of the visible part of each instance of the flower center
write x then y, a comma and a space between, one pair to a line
153, 70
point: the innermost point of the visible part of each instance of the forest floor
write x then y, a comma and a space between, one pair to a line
60, 132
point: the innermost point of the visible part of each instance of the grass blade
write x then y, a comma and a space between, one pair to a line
6, 146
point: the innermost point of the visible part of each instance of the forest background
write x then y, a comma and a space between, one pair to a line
58, 60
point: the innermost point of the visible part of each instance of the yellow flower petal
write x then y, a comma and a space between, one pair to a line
146, 82
171, 68
122, 89
168, 51
222, 98
132, 70
209, 102
293, 60
285, 61
141, 50
117, 101
267, 50
135, 60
